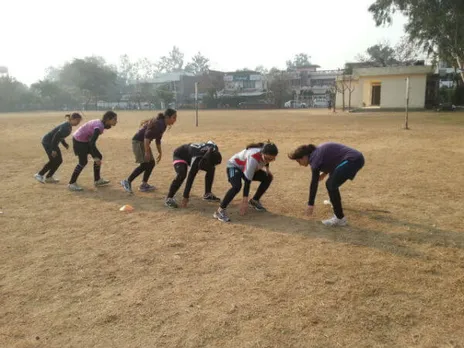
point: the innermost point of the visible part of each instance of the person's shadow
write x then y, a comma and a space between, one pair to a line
378, 235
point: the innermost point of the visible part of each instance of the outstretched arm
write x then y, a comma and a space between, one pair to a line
191, 177
313, 187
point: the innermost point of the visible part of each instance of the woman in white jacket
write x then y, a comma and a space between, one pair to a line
251, 164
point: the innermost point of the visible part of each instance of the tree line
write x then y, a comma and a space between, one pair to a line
434, 29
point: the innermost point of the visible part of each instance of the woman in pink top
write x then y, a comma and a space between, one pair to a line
84, 143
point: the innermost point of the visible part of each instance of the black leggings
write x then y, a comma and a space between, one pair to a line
235, 177
181, 173
82, 151
53, 162
345, 170
145, 168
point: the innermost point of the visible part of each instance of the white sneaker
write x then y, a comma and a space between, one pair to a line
39, 178
75, 187
51, 180
101, 182
335, 221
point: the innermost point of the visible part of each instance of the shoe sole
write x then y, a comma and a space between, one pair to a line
212, 200
170, 206
336, 225
102, 185
256, 208
74, 190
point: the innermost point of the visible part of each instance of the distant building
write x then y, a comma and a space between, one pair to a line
447, 74
244, 84
309, 84
385, 87
182, 84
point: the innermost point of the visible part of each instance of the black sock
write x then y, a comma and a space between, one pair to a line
76, 173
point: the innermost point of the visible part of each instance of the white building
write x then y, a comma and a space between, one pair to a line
386, 87
244, 84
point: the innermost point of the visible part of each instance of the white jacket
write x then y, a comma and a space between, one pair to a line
248, 161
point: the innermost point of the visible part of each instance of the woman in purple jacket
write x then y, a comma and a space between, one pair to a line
340, 162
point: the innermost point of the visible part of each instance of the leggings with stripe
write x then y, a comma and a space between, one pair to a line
235, 177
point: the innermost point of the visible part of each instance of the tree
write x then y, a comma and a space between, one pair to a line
91, 76
350, 87
173, 62
341, 87
198, 65
15, 95
280, 89
273, 71
52, 95
331, 93
165, 94
383, 54
301, 60
127, 70
435, 25
261, 69
146, 69
52, 74
407, 50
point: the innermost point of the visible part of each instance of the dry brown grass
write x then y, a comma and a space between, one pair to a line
76, 272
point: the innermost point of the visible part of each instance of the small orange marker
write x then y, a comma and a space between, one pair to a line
126, 207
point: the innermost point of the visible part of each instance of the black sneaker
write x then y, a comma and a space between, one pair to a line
256, 204
171, 203
211, 198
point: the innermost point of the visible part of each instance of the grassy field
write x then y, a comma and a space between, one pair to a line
77, 272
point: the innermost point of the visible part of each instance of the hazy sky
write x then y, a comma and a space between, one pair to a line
232, 34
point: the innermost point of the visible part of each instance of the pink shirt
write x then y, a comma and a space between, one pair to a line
84, 133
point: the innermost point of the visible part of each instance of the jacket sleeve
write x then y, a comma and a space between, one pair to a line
313, 186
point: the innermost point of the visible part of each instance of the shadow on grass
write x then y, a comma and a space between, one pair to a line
378, 237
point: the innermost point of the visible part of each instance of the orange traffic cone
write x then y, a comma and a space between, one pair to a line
126, 207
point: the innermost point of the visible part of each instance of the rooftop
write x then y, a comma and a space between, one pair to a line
394, 70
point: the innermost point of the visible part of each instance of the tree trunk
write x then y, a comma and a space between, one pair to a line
343, 100
86, 105
349, 96
460, 61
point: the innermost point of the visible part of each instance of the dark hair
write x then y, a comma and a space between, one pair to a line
168, 113
302, 151
268, 148
73, 116
254, 146
108, 116
161, 116
211, 158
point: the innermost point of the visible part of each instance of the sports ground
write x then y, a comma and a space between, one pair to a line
77, 272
